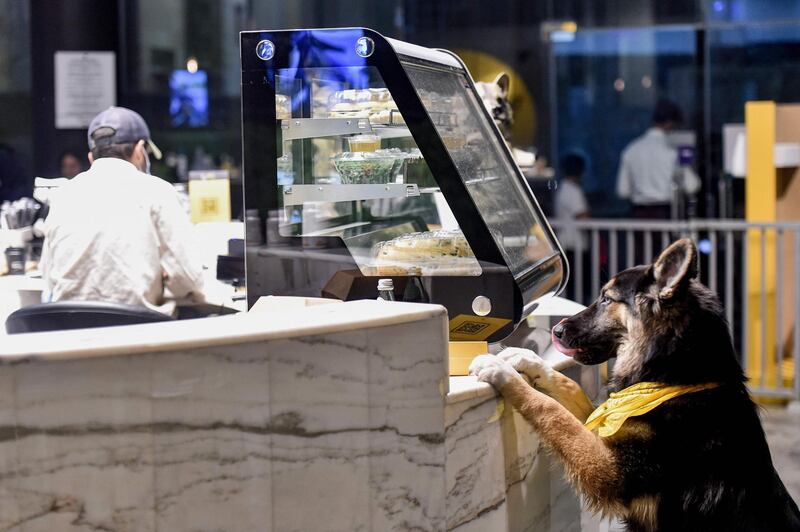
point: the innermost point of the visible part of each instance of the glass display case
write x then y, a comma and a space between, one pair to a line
365, 158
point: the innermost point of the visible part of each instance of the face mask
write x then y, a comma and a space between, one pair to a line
146, 163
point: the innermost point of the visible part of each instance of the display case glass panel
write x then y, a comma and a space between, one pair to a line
348, 167
491, 180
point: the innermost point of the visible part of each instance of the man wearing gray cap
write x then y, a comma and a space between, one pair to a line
115, 233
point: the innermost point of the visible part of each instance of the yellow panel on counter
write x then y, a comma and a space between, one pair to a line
472, 328
462, 354
210, 200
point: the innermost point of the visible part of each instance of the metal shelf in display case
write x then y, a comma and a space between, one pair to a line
301, 194
309, 128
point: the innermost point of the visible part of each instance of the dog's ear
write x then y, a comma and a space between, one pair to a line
675, 267
504, 82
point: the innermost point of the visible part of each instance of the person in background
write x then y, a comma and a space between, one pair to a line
115, 233
70, 164
649, 171
571, 205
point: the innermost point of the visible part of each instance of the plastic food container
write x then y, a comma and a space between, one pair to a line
368, 168
365, 142
440, 252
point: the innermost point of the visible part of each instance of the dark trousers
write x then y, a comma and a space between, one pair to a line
654, 211
571, 290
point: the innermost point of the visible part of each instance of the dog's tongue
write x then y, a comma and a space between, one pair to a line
570, 352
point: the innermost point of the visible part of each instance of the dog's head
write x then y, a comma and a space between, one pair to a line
494, 96
635, 310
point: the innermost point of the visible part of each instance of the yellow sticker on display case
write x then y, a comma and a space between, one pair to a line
464, 327
210, 200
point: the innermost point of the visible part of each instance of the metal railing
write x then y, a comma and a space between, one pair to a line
753, 267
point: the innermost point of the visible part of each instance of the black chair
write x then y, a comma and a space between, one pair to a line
78, 315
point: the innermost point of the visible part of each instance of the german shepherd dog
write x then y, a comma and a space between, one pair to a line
695, 462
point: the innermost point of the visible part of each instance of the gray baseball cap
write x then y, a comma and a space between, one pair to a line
120, 125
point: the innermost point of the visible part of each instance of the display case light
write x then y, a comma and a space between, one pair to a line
365, 47
265, 50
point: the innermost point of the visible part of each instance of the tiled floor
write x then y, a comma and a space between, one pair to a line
782, 426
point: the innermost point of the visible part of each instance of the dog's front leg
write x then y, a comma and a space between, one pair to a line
544, 378
589, 463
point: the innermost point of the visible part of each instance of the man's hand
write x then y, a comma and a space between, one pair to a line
494, 370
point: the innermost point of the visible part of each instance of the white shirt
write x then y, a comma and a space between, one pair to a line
647, 170
570, 202
119, 235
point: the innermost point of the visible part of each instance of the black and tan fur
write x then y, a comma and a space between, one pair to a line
698, 462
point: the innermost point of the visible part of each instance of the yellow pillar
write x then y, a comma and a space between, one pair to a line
761, 202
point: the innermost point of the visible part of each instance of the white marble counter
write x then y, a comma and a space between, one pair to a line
499, 477
329, 418
325, 419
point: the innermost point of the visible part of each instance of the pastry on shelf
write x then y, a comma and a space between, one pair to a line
442, 252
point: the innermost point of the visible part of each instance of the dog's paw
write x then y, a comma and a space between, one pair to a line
491, 369
527, 362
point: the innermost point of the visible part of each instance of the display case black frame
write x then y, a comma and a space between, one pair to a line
512, 297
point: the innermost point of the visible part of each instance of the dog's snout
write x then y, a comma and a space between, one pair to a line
558, 330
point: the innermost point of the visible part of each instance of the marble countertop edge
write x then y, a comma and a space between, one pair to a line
465, 388
209, 332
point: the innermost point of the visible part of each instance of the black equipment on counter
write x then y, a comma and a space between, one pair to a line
78, 315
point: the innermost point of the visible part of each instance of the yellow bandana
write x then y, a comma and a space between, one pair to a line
634, 401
